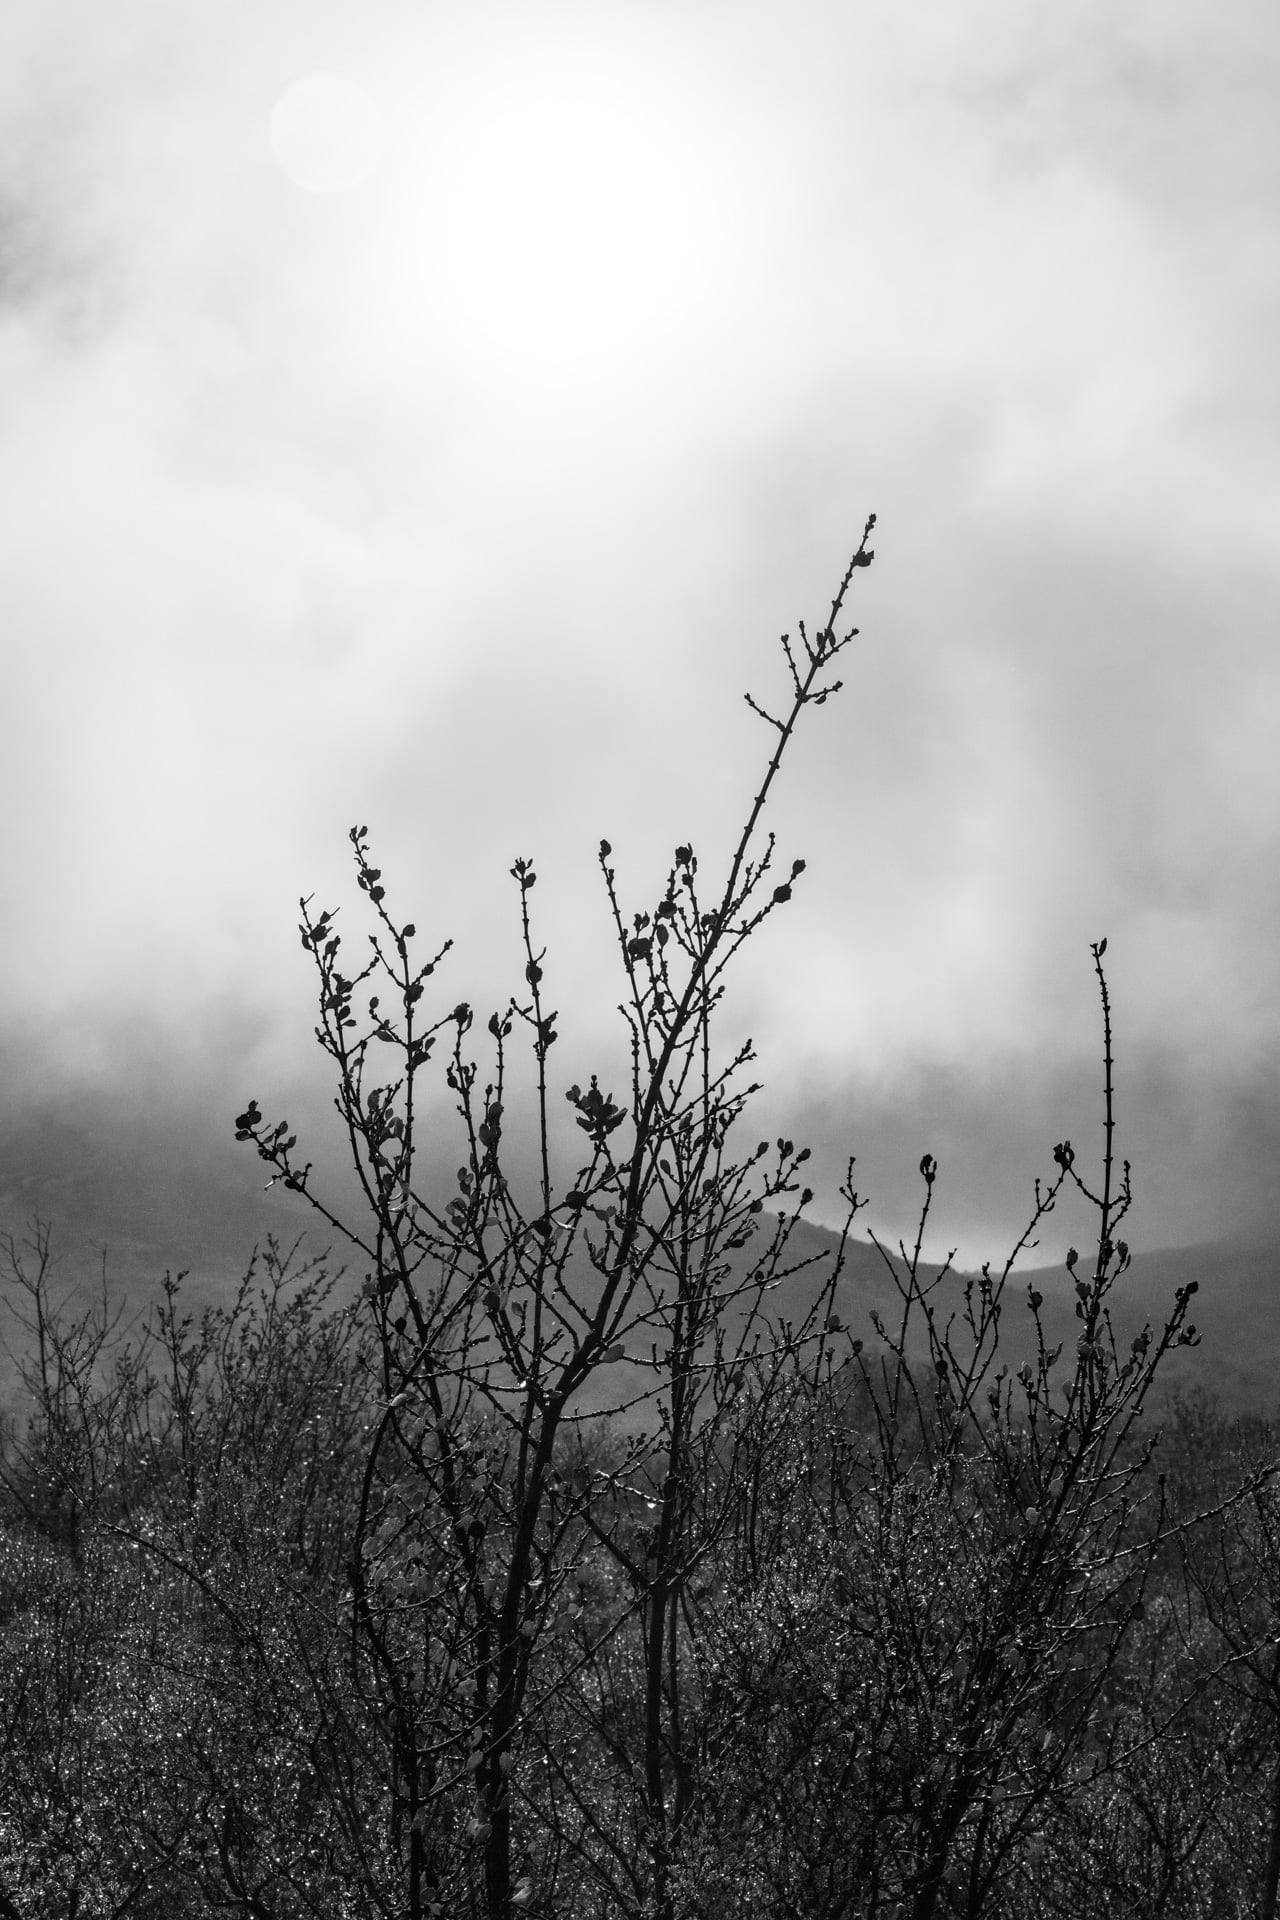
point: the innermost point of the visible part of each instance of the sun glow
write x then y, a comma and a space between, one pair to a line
326, 134
565, 221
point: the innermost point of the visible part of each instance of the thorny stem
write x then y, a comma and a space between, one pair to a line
819, 656
1098, 948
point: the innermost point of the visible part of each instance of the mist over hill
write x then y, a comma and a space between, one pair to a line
1236, 1309
208, 1229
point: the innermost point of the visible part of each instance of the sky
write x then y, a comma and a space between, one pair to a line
465, 497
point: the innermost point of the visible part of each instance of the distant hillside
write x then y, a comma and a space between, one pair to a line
1237, 1307
1236, 1310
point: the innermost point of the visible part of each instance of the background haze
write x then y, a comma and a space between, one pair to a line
466, 504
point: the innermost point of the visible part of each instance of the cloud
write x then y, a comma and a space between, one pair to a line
467, 505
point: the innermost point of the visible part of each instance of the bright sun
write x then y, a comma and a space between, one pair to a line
326, 133
549, 211
552, 213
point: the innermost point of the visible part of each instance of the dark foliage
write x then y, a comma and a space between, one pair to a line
561, 1575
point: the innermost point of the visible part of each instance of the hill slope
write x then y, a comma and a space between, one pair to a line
1236, 1310
1237, 1307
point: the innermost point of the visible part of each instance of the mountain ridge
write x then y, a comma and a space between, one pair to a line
1236, 1308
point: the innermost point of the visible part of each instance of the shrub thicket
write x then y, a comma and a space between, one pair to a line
562, 1574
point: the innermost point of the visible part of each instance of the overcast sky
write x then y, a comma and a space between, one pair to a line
467, 501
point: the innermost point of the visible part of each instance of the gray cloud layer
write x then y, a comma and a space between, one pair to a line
467, 504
